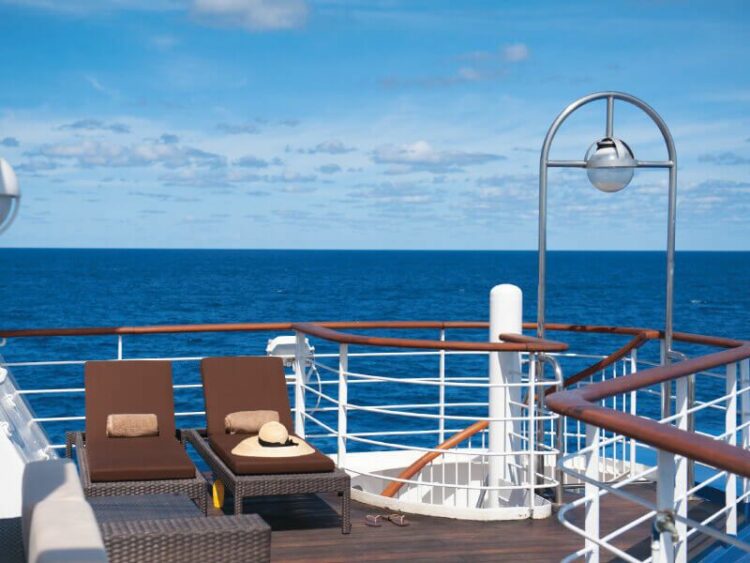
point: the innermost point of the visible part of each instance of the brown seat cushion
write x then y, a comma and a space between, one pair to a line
223, 444
138, 459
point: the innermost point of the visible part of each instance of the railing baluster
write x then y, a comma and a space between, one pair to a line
681, 484
531, 431
731, 430
343, 400
119, 346
299, 381
441, 391
745, 418
663, 548
633, 409
592, 491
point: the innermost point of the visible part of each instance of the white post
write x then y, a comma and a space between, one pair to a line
299, 381
506, 316
665, 482
592, 491
343, 400
441, 391
119, 346
745, 417
731, 430
633, 408
681, 484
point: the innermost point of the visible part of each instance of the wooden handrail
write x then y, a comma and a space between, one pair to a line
522, 344
604, 363
582, 404
234, 327
355, 325
416, 467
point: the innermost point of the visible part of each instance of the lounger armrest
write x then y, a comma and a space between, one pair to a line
197, 438
201, 445
244, 537
78, 439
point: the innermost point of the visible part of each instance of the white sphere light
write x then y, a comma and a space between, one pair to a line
10, 195
610, 164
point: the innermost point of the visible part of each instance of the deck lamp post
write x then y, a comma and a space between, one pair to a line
10, 195
610, 165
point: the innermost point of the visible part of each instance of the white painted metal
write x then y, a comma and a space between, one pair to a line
342, 403
730, 491
21, 440
745, 418
680, 496
665, 501
592, 493
506, 317
441, 392
299, 382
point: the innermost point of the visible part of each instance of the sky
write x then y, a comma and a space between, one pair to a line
367, 125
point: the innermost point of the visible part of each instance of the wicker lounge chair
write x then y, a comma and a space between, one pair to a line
133, 466
257, 383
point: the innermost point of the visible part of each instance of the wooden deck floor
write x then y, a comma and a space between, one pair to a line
307, 528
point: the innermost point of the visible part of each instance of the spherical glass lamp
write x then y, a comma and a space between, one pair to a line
10, 195
610, 164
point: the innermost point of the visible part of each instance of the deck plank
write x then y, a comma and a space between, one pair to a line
307, 528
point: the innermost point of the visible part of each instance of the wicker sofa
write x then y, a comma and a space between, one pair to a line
58, 524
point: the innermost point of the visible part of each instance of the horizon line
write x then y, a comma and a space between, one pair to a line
269, 249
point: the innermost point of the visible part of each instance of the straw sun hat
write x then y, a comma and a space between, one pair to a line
272, 441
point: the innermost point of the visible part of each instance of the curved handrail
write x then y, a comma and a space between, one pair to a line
581, 404
515, 343
395, 486
604, 363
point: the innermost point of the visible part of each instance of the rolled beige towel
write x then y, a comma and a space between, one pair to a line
132, 425
248, 422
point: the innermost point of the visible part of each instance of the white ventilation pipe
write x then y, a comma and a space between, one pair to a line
506, 317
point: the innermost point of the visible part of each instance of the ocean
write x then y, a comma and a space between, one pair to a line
84, 288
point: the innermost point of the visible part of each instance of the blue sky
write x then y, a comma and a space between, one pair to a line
381, 124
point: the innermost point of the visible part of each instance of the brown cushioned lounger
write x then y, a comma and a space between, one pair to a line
140, 465
234, 384
248, 383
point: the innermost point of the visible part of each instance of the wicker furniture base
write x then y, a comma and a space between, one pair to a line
143, 507
171, 528
243, 486
231, 539
11, 541
195, 488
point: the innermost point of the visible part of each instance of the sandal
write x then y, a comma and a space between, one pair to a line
374, 520
398, 520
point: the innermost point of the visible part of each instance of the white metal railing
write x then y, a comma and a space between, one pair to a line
359, 401
725, 417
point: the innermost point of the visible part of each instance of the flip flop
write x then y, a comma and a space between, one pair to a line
374, 520
398, 520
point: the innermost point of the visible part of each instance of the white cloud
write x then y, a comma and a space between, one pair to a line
90, 153
254, 15
421, 156
515, 53
727, 158
238, 128
329, 168
95, 125
328, 147
250, 161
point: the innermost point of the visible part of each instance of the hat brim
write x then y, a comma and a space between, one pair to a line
251, 447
